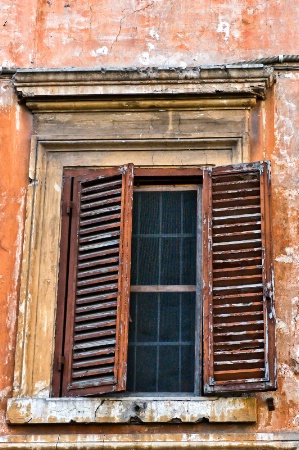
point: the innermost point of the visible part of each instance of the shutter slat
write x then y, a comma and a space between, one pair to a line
98, 303
98, 288
233, 203
93, 362
92, 372
236, 263
239, 375
97, 262
101, 186
94, 334
96, 237
93, 353
234, 193
86, 345
232, 219
239, 184
95, 326
96, 280
95, 229
93, 272
92, 255
111, 243
99, 314
100, 212
98, 384
95, 298
98, 220
91, 205
96, 306
97, 195
237, 280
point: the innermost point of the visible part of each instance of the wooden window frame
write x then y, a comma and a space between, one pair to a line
188, 174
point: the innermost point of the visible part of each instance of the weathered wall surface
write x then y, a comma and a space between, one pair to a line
93, 33
15, 128
96, 33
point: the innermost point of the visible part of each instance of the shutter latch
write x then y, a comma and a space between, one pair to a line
61, 362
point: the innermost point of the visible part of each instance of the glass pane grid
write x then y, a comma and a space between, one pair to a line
162, 334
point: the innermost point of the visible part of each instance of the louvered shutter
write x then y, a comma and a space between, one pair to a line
239, 349
97, 307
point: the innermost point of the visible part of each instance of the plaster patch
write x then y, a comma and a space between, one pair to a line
291, 256
100, 51
295, 301
18, 117
5, 98
57, 187
144, 58
285, 371
223, 27
281, 325
4, 392
290, 75
40, 388
153, 34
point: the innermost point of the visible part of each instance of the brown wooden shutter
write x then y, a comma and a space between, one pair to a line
97, 305
239, 348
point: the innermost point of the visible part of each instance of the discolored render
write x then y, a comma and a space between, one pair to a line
144, 33
150, 33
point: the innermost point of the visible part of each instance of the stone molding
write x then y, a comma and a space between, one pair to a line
251, 80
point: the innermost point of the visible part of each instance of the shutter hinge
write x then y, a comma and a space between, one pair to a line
61, 362
67, 207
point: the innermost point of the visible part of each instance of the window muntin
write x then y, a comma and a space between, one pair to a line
165, 301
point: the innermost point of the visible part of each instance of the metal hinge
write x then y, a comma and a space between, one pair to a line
61, 362
67, 207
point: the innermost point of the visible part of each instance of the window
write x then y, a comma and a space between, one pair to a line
165, 289
231, 320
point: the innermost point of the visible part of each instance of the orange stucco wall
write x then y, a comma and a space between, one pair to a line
123, 33
95, 33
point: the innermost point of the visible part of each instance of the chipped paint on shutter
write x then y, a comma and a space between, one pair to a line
239, 349
98, 286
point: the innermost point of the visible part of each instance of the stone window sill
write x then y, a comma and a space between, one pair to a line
130, 410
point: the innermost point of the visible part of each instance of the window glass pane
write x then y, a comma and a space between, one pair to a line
170, 318
188, 261
189, 206
164, 238
161, 356
169, 365
170, 261
142, 376
171, 212
149, 211
145, 260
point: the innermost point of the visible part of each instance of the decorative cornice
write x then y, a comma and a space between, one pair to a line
77, 84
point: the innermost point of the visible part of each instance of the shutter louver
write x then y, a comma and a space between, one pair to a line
98, 288
239, 349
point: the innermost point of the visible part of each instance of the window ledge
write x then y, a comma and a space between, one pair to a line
130, 410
